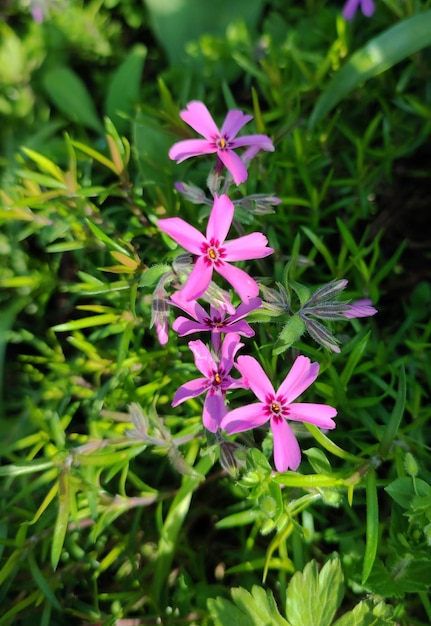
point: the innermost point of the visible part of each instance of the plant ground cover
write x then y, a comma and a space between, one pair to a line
117, 507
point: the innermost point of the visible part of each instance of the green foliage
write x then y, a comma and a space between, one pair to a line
115, 507
312, 597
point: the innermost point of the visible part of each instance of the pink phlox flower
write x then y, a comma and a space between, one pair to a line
360, 308
351, 6
214, 253
216, 381
277, 407
222, 142
217, 321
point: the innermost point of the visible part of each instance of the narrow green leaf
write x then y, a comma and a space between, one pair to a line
102, 236
354, 358
124, 88
372, 524
70, 95
378, 55
45, 164
60, 527
41, 582
395, 418
87, 322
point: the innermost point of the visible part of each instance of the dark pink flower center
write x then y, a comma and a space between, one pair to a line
215, 323
213, 254
222, 143
276, 407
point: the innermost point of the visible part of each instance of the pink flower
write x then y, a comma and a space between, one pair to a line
221, 141
277, 407
216, 321
217, 380
213, 252
360, 308
351, 6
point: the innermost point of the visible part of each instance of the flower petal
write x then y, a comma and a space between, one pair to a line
190, 390
183, 233
360, 308
302, 374
245, 286
251, 246
220, 218
367, 7
255, 376
229, 348
183, 150
262, 142
350, 9
198, 281
245, 418
244, 309
204, 360
214, 411
184, 326
234, 164
199, 118
193, 308
233, 123
318, 414
287, 453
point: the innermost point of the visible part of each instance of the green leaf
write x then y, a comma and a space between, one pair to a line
70, 95
257, 608
124, 89
372, 524
60, 527
404, 489
291, 332
314, 598
378, 55
395, 418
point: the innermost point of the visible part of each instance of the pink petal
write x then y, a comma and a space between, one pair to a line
220, 218
229, 348
302, 374
245, 286
184, 326
245, 308
255, 376
233, 123
241, 327
234, 164
183, 150
183, 233
199, 118
367, 7
262, 142
287, 453
198, 281
214, 411
318, 414
203, 358
360, 308
350, 9
190, 390
251, 246
245, 418
193, 308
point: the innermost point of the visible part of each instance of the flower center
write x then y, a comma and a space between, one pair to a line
212, 253
276, 407
217, 379
222, 143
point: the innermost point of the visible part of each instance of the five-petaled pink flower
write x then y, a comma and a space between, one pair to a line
214, 253
216, 321
277, 407
351, 6
217, 380
222, 142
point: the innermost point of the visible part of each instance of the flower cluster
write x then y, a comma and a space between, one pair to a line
212, 257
